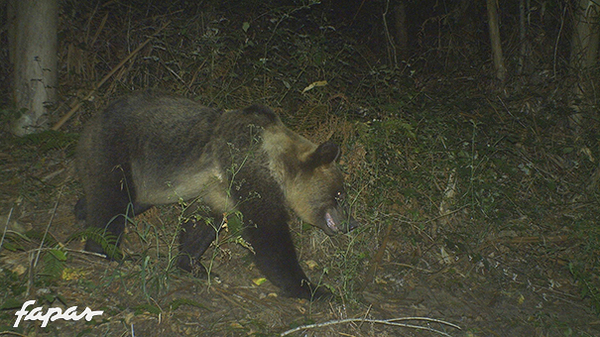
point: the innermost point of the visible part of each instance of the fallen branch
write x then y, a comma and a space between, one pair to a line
392, 322
6, 227
377, 259
535, 239
104, 79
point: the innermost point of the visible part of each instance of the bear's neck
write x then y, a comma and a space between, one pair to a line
286, 151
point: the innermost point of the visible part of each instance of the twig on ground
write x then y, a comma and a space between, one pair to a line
37, 257
377, 259
6, 227
392, 322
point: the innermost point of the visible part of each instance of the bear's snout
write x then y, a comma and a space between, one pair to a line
337, 221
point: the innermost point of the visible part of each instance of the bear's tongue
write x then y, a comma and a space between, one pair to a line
330, 222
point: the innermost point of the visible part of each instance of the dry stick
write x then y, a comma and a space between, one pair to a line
99, 30
104, 79
6, 227
377, 260
37, 257
33, 261
534, 239
12, 333
392, 322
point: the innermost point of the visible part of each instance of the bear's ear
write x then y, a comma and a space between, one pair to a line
326, 153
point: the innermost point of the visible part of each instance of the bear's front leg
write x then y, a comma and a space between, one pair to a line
275, 257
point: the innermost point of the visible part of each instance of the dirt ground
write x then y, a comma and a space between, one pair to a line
478, 200
512, 288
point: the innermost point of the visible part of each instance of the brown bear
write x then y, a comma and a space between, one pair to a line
151, 148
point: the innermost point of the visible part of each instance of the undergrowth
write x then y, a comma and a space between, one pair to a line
469, 180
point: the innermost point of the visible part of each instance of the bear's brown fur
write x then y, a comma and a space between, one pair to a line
150, 149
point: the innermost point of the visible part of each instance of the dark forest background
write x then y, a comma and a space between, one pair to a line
476, 180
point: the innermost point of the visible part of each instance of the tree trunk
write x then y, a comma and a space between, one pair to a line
33, 52
584, 52
522, 38
500, 69
401, 29
391, 45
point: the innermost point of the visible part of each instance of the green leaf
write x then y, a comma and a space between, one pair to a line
184, 301
59, 254
11, 303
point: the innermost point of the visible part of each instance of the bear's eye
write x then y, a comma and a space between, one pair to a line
339, 196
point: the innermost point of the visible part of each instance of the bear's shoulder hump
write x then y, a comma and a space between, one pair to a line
261, 111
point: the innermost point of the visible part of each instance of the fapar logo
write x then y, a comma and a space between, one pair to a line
53, 314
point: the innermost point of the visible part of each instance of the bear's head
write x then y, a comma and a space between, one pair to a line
308, 174
316, 191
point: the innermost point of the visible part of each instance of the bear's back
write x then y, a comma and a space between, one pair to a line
150, 114
159, 128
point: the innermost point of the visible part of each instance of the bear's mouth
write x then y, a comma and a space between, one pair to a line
336, 224
330, 222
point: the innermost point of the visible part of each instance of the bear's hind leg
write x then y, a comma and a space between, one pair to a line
80, 209
194, 239
108, 207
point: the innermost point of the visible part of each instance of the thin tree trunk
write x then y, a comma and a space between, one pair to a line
584, 52
522, 37
33, 51
500, 69
393, 56
401, 29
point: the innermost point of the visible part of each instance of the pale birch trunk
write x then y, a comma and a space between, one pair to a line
33, 52
584, 52
499, 68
